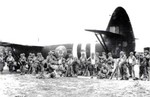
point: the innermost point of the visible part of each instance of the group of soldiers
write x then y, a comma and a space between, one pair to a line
134, 66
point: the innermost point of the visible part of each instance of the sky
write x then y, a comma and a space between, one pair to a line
48, 22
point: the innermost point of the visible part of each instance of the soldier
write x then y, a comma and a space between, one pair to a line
103, 72
110, 64
103, 59
1, 62
83, 64
137, 67
40, 67
22, 62
98, 64
69, 72
51, 64
131, 62
35, 64
143, 69
147, 56
75, 66
91, 64
10, 62
123, 66
30, 63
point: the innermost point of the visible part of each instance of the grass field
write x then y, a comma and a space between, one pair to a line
16, 85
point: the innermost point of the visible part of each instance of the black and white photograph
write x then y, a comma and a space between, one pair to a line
74, 48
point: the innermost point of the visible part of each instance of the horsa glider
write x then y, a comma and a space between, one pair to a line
117, 37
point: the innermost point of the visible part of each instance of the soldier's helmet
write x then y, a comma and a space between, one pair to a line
109, 54
30, 54
9, 53
39, 54
1, 54
50, 52
70, 56
33, 55
121, 52
23, 54
103, 53
131, 53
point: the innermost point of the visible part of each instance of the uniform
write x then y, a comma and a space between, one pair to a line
143, 68
69, 71
83, 65
1, 62
35, 64
23, 63
51, 64
103, 73
110, 65
92, 64
40, 65
123, 66
75, 66
61, 66
10, 62
136, 69
30, 63
131, 62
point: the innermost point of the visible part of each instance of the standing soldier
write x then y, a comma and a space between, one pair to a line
22, 62
1, 62
147, 56
137, 67
123, 66
10, 62
40, 60
131, 62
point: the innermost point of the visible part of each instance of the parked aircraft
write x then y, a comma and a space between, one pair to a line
117, 37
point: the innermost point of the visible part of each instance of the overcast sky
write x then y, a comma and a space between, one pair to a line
64, 21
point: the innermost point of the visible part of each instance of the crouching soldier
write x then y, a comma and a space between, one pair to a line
103, 73
30, 63
22, 62
10, 62
51, 64
1, 62
110, 64
35, 64
40, 67
69, 72
83, 64
91, 64
61, 66
75, 66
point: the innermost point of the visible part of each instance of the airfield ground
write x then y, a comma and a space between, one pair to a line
16, 85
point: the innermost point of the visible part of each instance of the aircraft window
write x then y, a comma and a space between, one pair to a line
114, 29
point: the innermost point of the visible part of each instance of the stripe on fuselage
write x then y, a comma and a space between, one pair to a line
92, 48
83, 48
74, 51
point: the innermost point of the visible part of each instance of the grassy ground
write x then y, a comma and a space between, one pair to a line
16, 85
